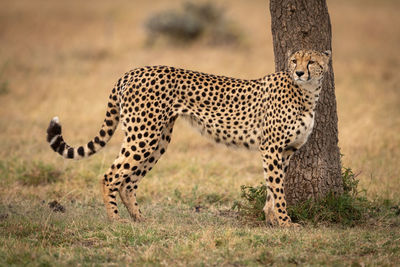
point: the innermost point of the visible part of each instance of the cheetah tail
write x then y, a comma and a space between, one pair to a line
57, 143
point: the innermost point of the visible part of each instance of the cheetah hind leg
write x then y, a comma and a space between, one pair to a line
130, 184
270, 215
114, 180
110, 189
128, 197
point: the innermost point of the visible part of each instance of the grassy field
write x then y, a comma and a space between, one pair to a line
62, 58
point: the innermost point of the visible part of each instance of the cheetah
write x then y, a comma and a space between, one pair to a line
273, 114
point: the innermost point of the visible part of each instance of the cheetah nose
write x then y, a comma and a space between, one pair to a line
299, 73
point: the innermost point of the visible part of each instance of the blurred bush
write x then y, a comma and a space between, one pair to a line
196, 21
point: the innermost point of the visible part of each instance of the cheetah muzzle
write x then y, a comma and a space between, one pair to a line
274, 114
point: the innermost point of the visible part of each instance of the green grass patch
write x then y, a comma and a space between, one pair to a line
29, 173
339, 209
198, 200
348, 209
175, 235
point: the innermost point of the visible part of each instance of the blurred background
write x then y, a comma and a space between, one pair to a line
63, 57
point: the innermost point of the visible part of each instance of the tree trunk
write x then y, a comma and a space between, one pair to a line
315, 169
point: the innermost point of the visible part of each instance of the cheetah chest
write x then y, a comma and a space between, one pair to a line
306, 124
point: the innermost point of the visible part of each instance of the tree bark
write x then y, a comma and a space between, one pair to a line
315, 169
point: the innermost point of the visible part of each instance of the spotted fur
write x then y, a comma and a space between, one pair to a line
273, 114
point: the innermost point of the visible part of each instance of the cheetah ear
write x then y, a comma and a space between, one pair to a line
327, 53
289, 53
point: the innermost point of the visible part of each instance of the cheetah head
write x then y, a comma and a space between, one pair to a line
307, 67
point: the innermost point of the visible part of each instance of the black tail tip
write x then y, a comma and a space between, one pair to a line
54, 129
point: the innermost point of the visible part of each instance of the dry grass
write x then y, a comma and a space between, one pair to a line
62, 57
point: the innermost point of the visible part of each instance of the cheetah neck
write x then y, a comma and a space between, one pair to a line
311, 94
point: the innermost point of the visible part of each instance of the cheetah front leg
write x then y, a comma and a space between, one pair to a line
275, 206
287, 155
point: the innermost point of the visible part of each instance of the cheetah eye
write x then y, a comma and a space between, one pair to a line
294, 61
311, 62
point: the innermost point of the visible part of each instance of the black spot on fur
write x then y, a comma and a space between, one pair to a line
91, 146
81, 151
70, 153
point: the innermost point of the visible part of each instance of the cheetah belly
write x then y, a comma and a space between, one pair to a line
245, 137
305, 131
